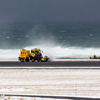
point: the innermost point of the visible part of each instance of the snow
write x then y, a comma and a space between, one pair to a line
67, 82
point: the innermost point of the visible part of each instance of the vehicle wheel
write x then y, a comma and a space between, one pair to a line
38, 60
22, 60
27, 59
46, 60
33, 60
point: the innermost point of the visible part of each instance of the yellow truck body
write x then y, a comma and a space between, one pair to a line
33, 55
24, 55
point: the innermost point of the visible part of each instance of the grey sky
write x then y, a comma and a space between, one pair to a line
49, 10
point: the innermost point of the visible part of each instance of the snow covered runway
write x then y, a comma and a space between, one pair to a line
66, 82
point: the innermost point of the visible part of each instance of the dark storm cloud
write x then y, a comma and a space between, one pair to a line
49, 10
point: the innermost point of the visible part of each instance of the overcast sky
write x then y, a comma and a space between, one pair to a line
49, 10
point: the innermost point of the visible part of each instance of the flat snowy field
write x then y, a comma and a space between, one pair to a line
65, 82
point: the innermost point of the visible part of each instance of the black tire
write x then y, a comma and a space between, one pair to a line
33, 60
22, 60
27, 59
38, 59
46, 60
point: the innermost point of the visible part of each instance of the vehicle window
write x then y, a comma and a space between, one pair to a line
36, 51
32, 52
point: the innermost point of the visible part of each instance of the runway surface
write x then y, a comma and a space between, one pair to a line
50, 64
53, 97
59, 64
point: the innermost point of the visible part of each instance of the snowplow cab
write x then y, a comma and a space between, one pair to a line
35, 54
24, 55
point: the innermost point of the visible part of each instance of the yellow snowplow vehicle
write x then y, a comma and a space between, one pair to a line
33, 55
24, 55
